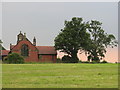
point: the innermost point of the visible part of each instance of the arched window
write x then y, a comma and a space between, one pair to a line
24, 50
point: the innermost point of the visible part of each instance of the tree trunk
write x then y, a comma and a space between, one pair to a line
95, 56
74, 57
96, 59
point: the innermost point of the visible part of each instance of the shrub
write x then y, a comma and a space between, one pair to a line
79, 61
5, 60
14, 58
66, 59
104, 61
59, 60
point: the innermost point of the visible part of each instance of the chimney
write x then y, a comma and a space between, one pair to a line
10, 46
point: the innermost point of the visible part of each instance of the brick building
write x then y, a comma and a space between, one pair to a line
31, 52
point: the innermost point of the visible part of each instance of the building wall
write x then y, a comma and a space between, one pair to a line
33, 52
47, 58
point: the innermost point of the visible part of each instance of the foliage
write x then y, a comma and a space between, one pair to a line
1, 41
72, 38
104, 61
37, 62
14, 58
66, 59
85, 62
1, 47
99, 41
58, 60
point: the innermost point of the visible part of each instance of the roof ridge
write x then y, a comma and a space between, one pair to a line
5, 50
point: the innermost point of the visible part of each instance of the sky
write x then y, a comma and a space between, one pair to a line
44, 20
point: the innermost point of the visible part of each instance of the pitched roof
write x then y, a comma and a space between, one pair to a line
46, 49
5, 52
12, 46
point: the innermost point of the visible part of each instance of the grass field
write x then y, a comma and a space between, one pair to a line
60, 75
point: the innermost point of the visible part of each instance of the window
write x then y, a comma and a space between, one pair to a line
24, 50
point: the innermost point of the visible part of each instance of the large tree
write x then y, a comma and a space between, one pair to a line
73, 37
100, 40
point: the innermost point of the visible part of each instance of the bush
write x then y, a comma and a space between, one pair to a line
66, 59
59, 60
79, 61
5, 60
14, 58
104, 61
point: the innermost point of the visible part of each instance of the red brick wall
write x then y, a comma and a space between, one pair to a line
33, 52
48, 58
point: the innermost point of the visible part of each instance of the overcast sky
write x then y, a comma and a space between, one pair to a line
44, 20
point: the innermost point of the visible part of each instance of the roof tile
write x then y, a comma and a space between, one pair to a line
5, 52
46, 49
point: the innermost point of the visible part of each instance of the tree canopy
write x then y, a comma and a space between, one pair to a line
88, 36
99, 41
72, 38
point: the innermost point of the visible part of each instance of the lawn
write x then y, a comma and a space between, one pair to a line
60, 75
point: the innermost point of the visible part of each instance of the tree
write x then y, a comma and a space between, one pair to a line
1, 42
99, 41
1, 47
72, 38
14, 58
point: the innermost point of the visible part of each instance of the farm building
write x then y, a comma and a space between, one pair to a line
31, 52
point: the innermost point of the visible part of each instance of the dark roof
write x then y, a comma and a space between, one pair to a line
5, 52
46, 49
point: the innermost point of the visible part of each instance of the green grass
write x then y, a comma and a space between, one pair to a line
60, 75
